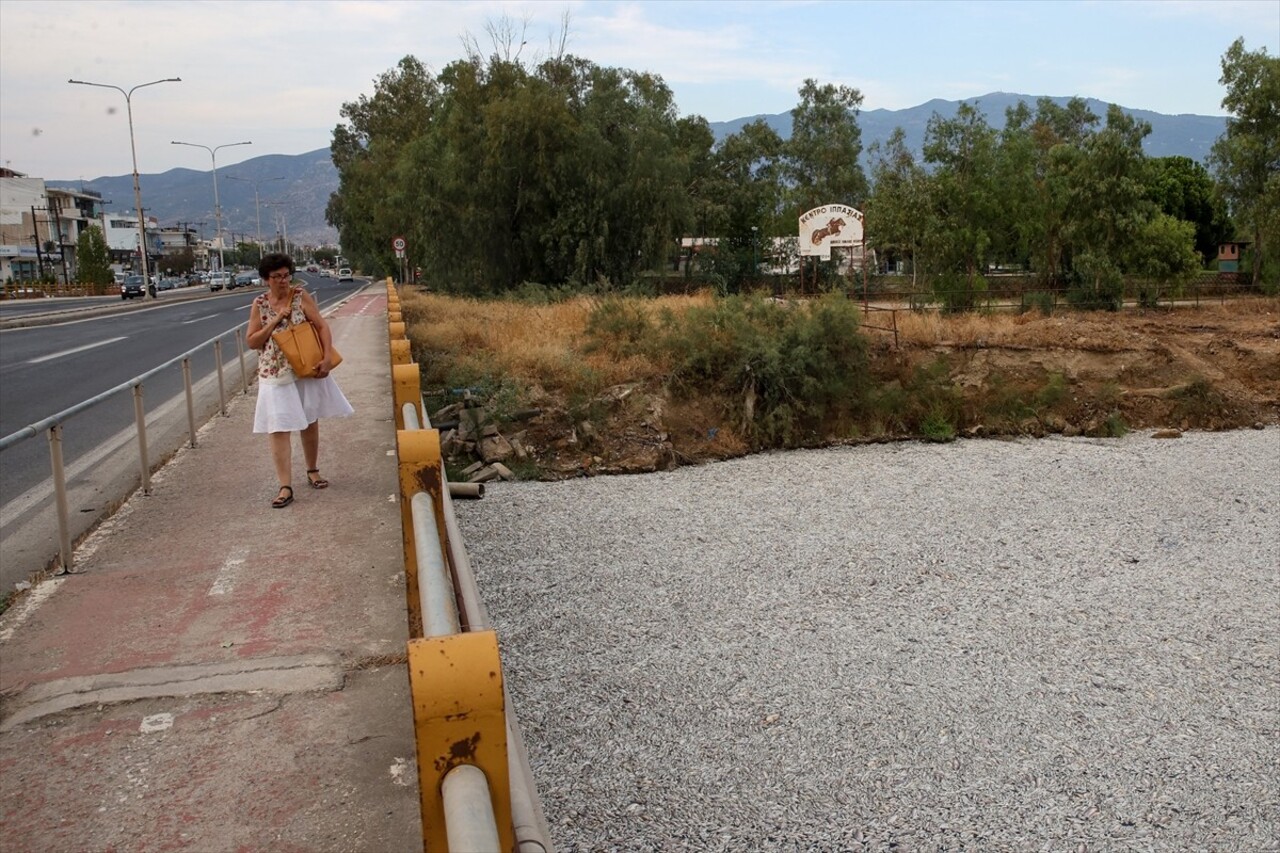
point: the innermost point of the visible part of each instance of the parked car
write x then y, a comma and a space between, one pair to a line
133, 285
344, 274
325, 272
166, 283
219, 280
244, 279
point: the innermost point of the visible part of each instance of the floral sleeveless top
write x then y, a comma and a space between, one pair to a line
273, 367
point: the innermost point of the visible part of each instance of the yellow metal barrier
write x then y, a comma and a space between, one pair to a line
459, 718
401, 352
406, 387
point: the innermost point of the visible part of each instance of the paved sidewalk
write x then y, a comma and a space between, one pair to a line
219, 675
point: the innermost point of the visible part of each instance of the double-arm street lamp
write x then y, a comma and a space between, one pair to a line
257, 206
137, 189
217, 208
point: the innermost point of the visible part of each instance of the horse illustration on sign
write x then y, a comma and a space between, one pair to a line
832, 228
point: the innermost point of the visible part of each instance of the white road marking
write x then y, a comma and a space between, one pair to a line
74, 350
156, 723
226, 578
38, 595
202, 319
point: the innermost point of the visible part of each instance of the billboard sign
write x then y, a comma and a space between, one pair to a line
827, 226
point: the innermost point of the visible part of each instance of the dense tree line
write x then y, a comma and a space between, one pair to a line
499, 172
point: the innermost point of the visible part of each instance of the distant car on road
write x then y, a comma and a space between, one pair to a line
133, 285
344, 274
325, 272
219, 280
244, 279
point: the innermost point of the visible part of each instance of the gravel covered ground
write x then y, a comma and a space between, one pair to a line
1053, 644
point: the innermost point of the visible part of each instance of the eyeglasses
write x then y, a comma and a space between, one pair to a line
284, 275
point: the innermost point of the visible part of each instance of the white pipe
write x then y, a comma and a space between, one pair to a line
469, 821
435, 591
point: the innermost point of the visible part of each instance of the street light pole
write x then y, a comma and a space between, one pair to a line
217, 207
133, 149
257, 207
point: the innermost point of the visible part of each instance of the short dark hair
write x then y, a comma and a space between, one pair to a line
272, 262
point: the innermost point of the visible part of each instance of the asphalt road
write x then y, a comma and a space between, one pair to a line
79, 354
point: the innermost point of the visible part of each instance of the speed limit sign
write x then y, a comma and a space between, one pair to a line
398, 244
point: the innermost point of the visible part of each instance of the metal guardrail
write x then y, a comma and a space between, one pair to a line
53, 425
474, 778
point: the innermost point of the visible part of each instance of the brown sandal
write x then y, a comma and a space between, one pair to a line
282, 500
319, 482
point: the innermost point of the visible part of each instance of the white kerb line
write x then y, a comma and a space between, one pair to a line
67, 352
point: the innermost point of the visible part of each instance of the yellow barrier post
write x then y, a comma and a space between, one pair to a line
406, 387
396, 331
459, 718
401, 352
419, 470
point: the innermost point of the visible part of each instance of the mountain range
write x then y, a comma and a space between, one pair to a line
298, 186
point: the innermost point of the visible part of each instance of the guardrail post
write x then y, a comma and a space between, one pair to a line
244, 373
140, 418
406, 387
419, 469
459, 718
191, 399
401, 352
222, 388
60, 496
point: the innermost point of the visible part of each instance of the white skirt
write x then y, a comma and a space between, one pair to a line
297, 405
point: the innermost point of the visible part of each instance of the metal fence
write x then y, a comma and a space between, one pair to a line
52, 427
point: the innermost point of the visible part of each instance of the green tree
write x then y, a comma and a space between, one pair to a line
365, 150
93, 260
967, 210
1108, 207
1246, 159
744, 191
1165, 255
900, 210
826, 142
1185, 190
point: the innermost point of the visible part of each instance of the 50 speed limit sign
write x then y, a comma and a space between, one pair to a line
398, 244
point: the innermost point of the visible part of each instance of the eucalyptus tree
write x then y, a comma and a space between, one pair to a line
744, 206
1057, 133
366, 148
822, 154
1108, 208
1246, 159
900, 210
966, 200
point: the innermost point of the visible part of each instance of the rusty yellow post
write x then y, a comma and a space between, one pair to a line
394, 317
401, 352
396, 331
458, 717
406, 387
419, 469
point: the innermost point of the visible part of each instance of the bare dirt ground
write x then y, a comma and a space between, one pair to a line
1211, 367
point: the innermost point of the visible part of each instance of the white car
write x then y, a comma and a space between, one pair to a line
344, 274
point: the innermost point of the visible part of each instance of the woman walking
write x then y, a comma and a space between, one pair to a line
287, 403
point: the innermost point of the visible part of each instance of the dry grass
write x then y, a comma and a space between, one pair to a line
536, 343
546, 344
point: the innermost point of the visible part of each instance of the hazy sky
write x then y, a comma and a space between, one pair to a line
276, 72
